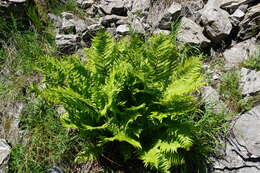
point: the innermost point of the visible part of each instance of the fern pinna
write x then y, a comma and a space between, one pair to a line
133, 92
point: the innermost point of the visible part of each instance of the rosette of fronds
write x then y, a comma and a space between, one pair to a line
135, 93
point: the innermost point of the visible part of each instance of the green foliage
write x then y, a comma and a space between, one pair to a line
231, 93
253, 63
49, 142
132, 94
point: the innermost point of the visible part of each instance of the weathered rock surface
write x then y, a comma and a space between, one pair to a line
85, 3
250, 81
122, 29
5, 150
250, 26
242, 150
192, 33
113, 20
67, 43
9, 121
117, 7
212, 99
169, 16
239, 52
233, 4
161, 15
140, 6
216, 22
237, 17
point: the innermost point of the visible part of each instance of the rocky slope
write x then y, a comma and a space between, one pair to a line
222, 28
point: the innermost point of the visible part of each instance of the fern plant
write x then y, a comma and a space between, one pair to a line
133, 94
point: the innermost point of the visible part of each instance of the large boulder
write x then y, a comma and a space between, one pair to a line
250, 81
216, 22
242, 150
5, 151
191, 33
250, 26
239, 52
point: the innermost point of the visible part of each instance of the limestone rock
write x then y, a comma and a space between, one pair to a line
85, 3
250, 81
233, 4
159, 31
169, 15
122, 29
242, 150
161, 16
191, 9
114, 7
191, 33
5, 151
216, 22
140, 6
250, 26
212, 99
112, 20
239, 52
237, 17
67, 43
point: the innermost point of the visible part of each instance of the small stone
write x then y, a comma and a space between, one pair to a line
122, 29
5, 151
67, 43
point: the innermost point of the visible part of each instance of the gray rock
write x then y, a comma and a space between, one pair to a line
159, 31
212, 99
85, 3
161, 15
216, 22
138, 26
250, 81
233, 4
169, 16
239, 52
191, 33
191, 9
5, 151
55, 169
9, 123
91, 32
111, 20
242, 149
140, 6
114, 7
17, 1
122, 29
250, 26
237, 17
67, 43
55, 19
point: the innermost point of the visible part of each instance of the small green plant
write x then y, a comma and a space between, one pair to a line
253, 63
134, 95
49, 143
230, 91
